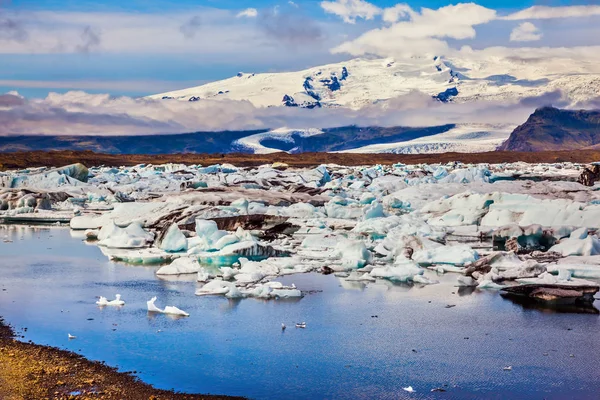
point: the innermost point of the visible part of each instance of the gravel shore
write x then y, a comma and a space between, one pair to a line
29, 371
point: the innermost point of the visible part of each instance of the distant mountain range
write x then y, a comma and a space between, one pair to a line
294, 141
547, 129
553, 129
362, 82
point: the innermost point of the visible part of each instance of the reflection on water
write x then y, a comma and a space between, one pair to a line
361, 340
552, 307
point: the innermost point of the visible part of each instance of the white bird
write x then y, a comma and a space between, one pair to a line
301, 325
71, 336
508, 368
282, 326
409, 389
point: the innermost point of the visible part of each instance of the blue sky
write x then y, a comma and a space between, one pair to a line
142, 47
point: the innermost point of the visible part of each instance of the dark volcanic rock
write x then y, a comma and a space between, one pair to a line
554, 293
549, 128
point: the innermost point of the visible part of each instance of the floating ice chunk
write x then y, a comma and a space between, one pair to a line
579, 267
402, 271
205, 228
356, 276
231, 254
227, 272
272, 290
395, 203
454, 255
320, 241
424, 280
132, 237
373, 210
219, 287
171, 310
580, 233
589, 246
241, 205
182, 265
150, 256
109, 229
173, 241
226, 241
353, 253
528, 269
564, 279
301, 210
377, 227
489, 284
103, 301
367, 198
152, 307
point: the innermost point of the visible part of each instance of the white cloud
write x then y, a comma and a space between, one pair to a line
140, 86
80, 113
545, 12
525, 32
422, 33
293, 4
350, 10
196, 32
248, 13
393, 14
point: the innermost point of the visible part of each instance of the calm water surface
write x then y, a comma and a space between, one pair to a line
49, 281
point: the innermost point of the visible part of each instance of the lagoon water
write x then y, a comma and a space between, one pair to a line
360, 341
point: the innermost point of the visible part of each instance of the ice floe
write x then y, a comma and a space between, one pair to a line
235, 230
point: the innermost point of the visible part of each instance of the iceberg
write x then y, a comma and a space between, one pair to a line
219, 287
173, 240
458, 255
182, 265
401, 271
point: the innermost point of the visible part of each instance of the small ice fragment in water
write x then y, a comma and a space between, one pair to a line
116, 302
171, 310
152, 307
301, 325
409, 389
71, 336
508, 368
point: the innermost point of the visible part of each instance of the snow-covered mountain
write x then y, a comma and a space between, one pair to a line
470, 78
360, 82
